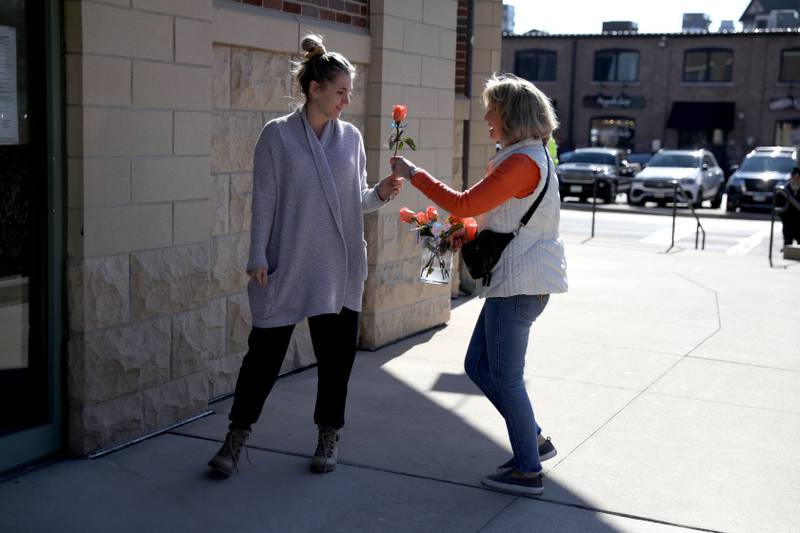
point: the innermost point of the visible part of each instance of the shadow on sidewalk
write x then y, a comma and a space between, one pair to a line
419, 438
414, 415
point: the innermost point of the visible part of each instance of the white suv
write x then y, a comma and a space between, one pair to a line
696, 171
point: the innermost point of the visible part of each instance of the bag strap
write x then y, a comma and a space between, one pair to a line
532, 208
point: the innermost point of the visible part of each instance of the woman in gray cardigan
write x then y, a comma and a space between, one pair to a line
308, 257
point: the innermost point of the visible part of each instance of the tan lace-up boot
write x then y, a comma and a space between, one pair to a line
226, 460
327, 451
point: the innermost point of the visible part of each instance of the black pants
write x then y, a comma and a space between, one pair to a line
791, 225
334, 340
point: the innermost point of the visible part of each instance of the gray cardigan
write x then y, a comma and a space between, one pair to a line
309, 197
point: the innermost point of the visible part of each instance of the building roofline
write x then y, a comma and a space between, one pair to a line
745, 16
765, 10
609, 35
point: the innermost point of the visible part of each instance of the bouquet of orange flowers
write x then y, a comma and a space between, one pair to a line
437, 250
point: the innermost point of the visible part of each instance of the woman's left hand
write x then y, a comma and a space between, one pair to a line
389, 187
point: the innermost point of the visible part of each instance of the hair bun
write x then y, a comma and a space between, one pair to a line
312, 44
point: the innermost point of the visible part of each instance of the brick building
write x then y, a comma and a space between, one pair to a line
126, 147
724, 91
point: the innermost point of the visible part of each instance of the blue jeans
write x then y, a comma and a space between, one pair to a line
495, 363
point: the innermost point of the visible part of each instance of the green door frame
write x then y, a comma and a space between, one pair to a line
35, 443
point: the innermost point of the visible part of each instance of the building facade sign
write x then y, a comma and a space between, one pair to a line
617, 101
787, 102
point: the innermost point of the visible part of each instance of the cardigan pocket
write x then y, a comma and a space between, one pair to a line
262, 298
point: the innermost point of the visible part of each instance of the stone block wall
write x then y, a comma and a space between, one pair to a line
165, 101
413, 63
143, 322
488, 17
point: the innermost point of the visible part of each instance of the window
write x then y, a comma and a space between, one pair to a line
31, 230
790, 65
765, 163
708, 65
787, 132
616, 65
598, 158
674, 161
535, 65
612, 132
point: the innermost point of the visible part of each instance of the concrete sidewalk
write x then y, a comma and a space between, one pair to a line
670, 385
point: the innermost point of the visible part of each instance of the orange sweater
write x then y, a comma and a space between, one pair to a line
516, 176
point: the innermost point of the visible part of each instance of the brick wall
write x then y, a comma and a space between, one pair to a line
353, 12
462, 46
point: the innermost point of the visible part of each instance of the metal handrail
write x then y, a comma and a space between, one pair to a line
779, 191
676, 190
594, 197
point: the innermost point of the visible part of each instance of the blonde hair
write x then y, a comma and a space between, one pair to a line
524, 111
318, 64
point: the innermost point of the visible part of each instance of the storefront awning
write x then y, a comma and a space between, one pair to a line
702, 116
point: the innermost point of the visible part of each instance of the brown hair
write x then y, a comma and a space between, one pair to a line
318, 64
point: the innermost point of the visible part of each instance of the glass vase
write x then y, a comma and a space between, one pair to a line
437, 261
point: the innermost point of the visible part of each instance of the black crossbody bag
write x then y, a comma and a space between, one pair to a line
483, 252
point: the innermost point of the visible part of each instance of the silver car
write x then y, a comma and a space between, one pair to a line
696, 171
763, 170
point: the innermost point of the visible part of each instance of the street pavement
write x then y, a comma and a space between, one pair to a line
729, 236
669, 383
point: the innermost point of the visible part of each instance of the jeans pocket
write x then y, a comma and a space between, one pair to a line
529, 307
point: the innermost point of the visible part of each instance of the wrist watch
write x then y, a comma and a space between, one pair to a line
412, 172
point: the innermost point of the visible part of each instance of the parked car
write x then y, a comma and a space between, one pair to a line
638, 160
761, 172
564, 157
576, 176
697, 172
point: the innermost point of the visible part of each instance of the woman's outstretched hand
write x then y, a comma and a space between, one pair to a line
401, 166
389, 187
259, 274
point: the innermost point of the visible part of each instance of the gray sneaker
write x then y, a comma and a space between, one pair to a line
226, 461
546, 451
324, 459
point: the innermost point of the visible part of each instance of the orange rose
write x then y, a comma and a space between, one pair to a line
422, 218
432, 214
399, 113
471, 227
407, 215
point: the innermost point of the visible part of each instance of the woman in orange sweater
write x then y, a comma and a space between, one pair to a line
532, 266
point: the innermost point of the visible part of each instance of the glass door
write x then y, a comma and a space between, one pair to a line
30, 229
